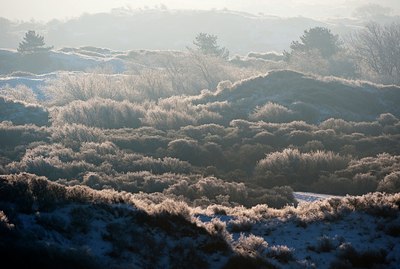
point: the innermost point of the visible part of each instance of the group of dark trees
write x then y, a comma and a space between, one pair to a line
372, 53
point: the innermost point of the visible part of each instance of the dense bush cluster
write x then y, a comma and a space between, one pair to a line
214, 135
233, 144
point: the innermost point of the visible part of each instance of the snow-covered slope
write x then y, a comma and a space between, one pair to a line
69, 59
95, 229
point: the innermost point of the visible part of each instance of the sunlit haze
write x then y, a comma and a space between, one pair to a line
44, 10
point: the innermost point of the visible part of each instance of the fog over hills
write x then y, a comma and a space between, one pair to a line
169, 29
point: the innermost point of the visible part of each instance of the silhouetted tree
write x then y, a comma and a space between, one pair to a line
321, 52
318, 39
32, 43
207, 44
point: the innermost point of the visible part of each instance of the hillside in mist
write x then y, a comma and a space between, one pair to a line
167, 29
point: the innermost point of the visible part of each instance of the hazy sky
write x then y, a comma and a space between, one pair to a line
44, 10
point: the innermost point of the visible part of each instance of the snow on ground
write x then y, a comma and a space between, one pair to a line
316, 244
34, 82
71, 61
306, 241
311, 197
77, 61
359, 230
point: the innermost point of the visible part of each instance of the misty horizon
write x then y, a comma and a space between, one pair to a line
161, 29
45, 10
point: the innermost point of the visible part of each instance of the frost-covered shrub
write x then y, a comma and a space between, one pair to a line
251, 245
332, 184
272, 112
53, 162
339, 125
349, 257
19, 135
59, 162
184, 149
19, 93
313, 145
276, 197
390, 183
102, 113
325, 244
72, 135
281, 253
387, 119
290, 166
70, 87
179, 111
214, 189
242, 224
30, 192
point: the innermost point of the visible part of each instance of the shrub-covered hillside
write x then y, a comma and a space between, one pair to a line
45, 224
173, 164
242, 143
283, 96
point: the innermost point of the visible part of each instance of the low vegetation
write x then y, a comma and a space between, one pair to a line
123, 228
189, 159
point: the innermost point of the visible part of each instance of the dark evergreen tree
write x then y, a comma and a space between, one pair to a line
318, 39
32, 43
207, 44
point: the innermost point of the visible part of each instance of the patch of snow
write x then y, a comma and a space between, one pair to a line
34, 82
311, 197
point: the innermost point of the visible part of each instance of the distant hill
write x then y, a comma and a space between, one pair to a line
169, 29
304, 97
